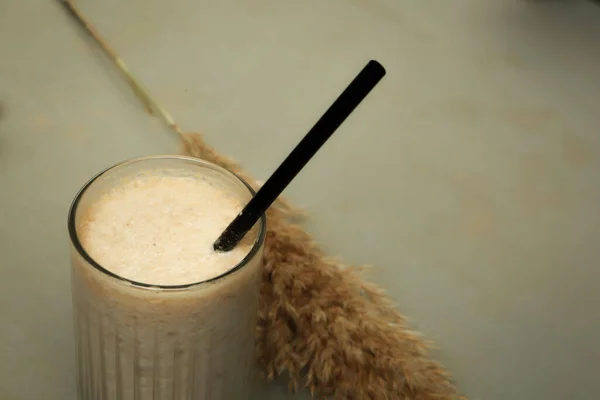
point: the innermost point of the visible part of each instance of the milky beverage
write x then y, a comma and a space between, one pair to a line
146, 328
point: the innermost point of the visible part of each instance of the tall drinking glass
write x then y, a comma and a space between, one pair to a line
138, 341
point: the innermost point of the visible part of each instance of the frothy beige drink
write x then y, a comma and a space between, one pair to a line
158, 313
159, 230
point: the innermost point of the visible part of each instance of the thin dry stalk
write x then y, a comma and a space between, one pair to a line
149, 104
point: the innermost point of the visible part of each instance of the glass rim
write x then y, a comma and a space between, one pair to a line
72, 228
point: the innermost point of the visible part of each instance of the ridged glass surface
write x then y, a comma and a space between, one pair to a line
123, 356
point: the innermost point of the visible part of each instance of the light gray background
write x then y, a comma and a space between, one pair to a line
469, 177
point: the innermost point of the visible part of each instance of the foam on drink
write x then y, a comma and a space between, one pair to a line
159, 230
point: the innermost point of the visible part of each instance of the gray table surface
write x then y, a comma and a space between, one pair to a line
469, 178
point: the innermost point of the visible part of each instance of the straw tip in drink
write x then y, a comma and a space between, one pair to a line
225, 242
219, 246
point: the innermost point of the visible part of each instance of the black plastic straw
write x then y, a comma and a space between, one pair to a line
358, 89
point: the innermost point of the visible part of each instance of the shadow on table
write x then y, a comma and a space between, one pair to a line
278, 390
